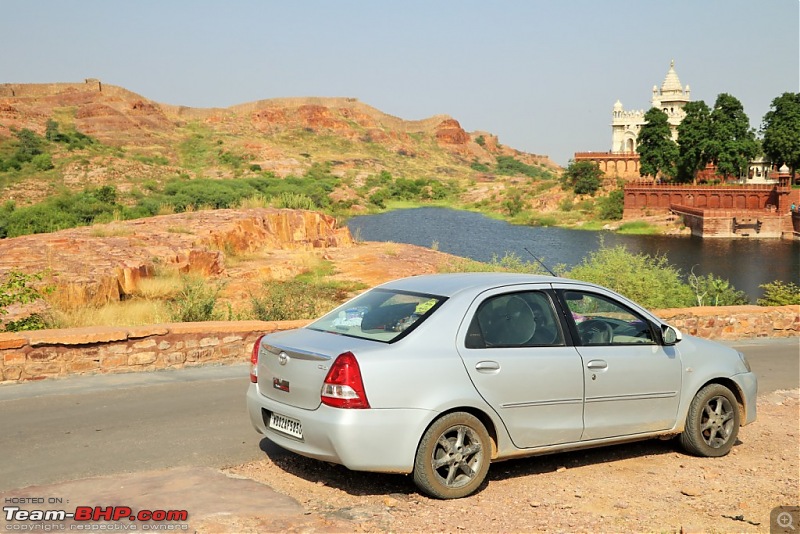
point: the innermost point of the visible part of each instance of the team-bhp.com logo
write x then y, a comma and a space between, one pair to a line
83, 517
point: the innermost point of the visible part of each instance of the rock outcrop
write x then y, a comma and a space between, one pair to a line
104, 263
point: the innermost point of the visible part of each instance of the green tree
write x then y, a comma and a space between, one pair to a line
694, 133
612, 206
658, 153
732, 143
781, 131
584, 177
514, 202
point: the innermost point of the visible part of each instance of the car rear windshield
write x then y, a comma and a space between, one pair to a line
380, 315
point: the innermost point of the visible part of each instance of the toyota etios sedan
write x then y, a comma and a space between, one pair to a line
439, 375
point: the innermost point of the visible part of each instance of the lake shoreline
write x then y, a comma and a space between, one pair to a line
740, 261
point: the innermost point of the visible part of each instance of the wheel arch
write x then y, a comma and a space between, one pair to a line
735, 389
482, 416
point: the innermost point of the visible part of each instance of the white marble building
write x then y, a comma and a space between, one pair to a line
670, 98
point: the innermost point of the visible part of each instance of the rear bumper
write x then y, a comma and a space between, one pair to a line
362, 440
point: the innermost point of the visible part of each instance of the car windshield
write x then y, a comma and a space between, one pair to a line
380, 315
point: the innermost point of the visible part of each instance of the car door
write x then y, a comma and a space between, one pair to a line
512, 344
632, 381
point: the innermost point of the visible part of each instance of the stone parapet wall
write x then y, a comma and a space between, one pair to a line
47, 354
734, 322
42, 354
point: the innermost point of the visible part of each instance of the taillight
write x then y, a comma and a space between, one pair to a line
254, 360
343, 387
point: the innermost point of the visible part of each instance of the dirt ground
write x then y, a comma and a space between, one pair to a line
646, 486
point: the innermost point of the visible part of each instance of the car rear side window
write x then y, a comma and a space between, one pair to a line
380, 315
523, 319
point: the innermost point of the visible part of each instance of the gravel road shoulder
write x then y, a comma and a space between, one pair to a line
645, 486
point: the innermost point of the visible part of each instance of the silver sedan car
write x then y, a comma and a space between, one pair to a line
439, 375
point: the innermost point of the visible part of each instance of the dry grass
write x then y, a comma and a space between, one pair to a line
164, 285
110, 231
390, 249
147, 305
132, 312
256, 201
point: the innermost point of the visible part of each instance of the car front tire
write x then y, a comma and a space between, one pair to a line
453, 457
712, 423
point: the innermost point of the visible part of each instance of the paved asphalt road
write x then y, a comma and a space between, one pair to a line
52, 431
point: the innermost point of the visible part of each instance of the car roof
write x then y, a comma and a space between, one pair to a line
450, 284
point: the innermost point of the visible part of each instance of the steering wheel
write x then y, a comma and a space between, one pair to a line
595, 332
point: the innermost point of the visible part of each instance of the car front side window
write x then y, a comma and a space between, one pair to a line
600, 320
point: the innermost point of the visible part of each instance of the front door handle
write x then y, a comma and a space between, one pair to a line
597, 365
487, 366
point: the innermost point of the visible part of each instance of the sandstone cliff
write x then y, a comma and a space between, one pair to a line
104, 263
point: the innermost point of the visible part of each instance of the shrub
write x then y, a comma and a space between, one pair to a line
611, 206
19, 288
295, 201
42, 162
510, 262
508, 165
230, 159
73, 140
298, 299
649, 280
195, 301
778, 293
513, 202
712, 291
478, 166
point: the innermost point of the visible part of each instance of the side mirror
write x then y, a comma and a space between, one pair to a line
670, 335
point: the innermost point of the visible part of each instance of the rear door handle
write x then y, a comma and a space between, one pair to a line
487, 366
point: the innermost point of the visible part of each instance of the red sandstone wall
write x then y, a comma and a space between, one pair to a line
738, 197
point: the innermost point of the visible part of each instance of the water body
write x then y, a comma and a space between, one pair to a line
746, 263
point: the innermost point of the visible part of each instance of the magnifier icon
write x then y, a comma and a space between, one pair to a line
784, 520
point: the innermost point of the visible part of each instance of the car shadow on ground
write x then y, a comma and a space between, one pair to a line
359, 483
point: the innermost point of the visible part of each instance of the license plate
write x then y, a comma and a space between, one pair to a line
286, 425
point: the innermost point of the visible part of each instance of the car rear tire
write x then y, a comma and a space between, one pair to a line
453, 457
712, 423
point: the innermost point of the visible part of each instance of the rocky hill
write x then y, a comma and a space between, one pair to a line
88, 153
142, 142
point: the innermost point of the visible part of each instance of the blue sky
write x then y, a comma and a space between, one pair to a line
542, 75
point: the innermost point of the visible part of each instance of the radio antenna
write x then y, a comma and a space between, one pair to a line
540, 262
